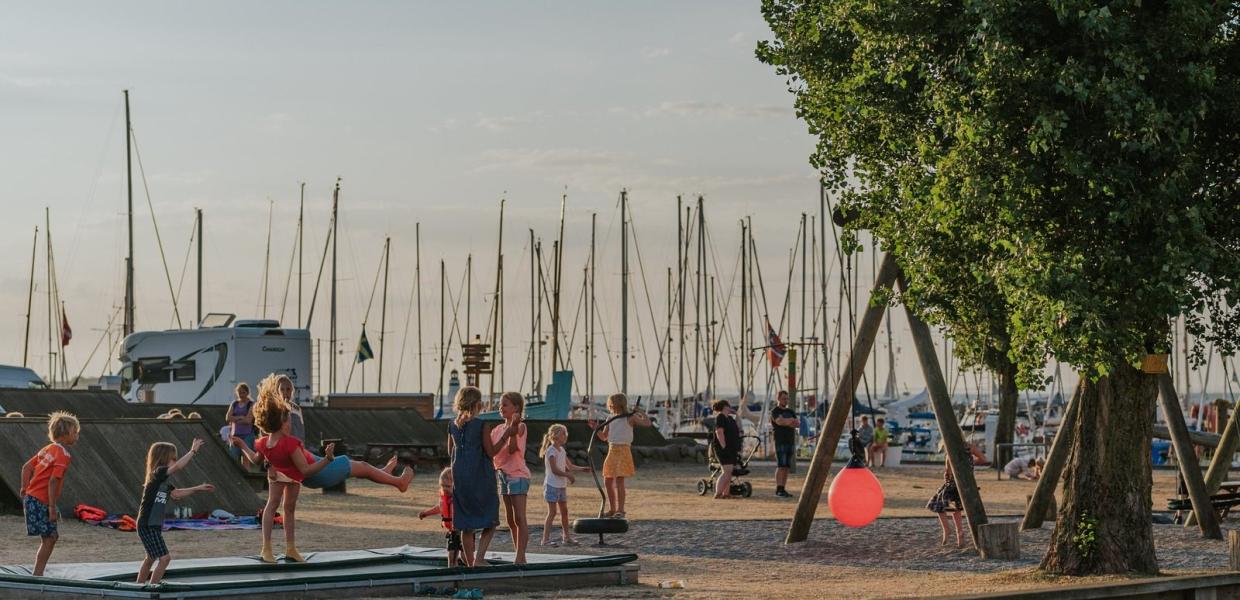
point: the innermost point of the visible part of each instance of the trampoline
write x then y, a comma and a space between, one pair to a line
383, 572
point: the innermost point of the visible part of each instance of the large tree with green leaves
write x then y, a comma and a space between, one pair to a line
1066, 170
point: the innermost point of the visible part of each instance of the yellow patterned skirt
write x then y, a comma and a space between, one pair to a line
619, 462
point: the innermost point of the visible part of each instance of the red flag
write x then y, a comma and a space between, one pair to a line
66, 332
776, 350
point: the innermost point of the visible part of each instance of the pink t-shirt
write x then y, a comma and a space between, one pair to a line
511, 463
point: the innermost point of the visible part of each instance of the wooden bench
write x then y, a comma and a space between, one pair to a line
1222, 502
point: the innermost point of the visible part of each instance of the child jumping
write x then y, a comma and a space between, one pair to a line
289, 469
514, 474
475, 502
619, 462
555, 483
444, 510
161, 463
43, 478
945, 500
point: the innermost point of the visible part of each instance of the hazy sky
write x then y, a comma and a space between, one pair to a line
430, 112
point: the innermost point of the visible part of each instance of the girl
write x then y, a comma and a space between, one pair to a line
558, 476
947, 499
514, 474
289, 467
342, 467
161, 463
240, 418
444, 510
619, 462
475, 503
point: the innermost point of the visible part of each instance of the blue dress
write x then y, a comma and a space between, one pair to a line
475, 501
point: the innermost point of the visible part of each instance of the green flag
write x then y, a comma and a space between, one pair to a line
364, 353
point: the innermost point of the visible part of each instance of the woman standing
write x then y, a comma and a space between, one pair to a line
240, 418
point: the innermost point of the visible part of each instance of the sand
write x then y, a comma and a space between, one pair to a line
718, 548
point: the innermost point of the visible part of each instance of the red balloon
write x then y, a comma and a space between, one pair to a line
855, 497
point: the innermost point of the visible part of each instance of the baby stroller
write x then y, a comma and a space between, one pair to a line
736, 487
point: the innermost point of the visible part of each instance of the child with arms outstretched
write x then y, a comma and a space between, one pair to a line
161, 463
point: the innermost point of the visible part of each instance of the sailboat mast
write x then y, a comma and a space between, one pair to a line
698, 301
331, 351
129, 309
624, 292
443, 351
417, 286
590, 307
497, 305
826, 327
198, 272
555, 298
271, 206
34, 251
387, 255
538, 286
51, 316
533, 313
301, 236
469, 294
804, 254
744, 353
681, 220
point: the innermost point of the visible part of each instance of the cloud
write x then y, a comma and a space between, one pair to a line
738, 38
499, 123
718, 110
649, 53
447, 125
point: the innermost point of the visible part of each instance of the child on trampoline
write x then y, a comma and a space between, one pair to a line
555, 484
289, 467
161, 463
508, 439
619, 462
475, 501
43, 478
444, 510
342, 467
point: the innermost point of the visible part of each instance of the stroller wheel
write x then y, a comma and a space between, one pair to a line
702, 487
746, 489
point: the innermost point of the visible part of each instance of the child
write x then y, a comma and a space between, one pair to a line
878, 450
619, 462
558, 476
289, 468
945, 500
514, 474
444, 510
475, 502
43, 478
161, 463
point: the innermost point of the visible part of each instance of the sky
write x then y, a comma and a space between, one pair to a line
428, 113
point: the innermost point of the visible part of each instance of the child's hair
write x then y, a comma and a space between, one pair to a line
158, 455
13, 415
468, 400
241, 386
270, 412
719, 405
516, 399
618, 403
269, 387
549, 437
880, 420
61, 424
444, 475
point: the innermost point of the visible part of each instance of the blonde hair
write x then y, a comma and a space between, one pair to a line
61, 424
468, 400
549, 437
241, 386
13, 415
618, 404
270, 411
446, 473
158, 455
269, 387
516, 399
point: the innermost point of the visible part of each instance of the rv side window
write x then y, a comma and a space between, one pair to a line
184, 370
154, 370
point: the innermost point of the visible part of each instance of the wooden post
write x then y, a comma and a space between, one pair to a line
1189, 469
841, 408
1044, 492
1233, 544
949, 429
999, 541
1052, 508
1221, 463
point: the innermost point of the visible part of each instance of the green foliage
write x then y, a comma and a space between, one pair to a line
1057, 177
1086, 537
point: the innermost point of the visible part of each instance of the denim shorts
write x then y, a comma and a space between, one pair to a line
555, 494
513, 486
37, 519
784, 454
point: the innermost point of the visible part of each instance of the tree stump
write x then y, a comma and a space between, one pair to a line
1051, 507
999, 541
1233, 544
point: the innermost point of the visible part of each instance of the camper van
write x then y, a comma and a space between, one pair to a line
203, 365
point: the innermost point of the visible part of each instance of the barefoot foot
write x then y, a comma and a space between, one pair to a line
390, 467
405, 478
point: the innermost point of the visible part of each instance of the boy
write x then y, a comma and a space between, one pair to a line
43, 478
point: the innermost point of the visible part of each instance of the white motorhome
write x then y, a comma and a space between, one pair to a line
203, 365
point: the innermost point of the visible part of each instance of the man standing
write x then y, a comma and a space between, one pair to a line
784, 424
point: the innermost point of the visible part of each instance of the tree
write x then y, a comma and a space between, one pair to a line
1074, 165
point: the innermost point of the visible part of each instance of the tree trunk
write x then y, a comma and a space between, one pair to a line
1107, 483
1009, 397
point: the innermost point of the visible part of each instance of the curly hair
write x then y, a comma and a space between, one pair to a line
271, 411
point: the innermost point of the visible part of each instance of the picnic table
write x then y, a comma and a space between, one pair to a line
1227, 498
